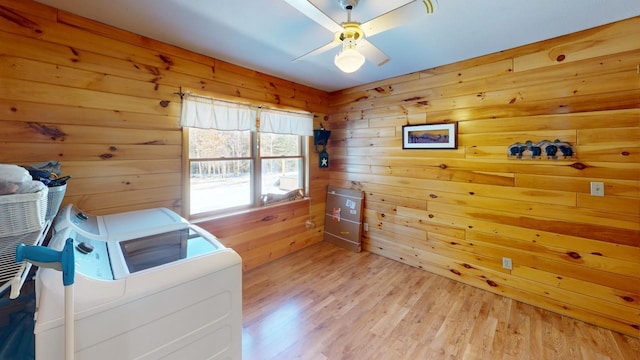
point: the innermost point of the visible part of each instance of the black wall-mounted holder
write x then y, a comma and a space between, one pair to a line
320, 138
542, 150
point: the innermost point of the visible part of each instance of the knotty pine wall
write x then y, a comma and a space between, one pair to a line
103, 102
458, 212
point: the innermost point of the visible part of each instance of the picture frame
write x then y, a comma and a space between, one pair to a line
430, 136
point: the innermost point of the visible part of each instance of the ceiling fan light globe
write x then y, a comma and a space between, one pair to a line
349, 60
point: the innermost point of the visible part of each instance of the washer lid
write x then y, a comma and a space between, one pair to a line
156, 250
136, 224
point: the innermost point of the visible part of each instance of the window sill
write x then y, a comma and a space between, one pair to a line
305, 201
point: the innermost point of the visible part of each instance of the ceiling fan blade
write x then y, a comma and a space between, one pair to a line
319, 50
396, 17
372, 53
315, 14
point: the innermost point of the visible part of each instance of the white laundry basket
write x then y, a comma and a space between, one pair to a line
23, 213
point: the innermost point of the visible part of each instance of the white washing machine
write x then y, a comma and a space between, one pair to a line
143, 292
120, 225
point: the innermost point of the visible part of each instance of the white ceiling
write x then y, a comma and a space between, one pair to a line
265, 35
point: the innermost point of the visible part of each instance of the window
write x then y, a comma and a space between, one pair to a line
241, 169
220, 165
282, 166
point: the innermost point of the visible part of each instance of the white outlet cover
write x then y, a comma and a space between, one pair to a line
597, 188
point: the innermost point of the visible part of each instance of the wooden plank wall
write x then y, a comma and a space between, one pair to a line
104, 103
458, 212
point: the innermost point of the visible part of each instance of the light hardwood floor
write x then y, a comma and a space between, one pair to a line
324, 302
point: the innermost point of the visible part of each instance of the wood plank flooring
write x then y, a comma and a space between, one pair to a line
324, 302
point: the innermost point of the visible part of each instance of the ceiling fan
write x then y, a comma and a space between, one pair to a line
351, 34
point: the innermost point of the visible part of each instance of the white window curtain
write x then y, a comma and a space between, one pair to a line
286, 122
207, 113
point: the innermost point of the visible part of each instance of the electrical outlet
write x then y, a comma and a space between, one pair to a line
597, 188
506, 263
366, 226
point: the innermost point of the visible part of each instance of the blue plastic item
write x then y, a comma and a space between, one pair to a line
60, 260
43, 256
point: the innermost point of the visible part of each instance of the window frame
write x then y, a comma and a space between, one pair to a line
255, 176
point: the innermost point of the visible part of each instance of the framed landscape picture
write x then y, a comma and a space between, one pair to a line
432, 136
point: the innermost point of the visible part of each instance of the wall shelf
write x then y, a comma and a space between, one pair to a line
14, 274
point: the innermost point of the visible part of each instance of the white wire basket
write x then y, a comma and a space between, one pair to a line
23, 213
22, 220
13, 274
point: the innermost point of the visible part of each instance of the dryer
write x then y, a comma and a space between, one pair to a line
143, 292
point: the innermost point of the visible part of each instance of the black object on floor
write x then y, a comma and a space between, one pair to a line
17, 341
